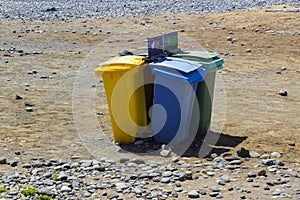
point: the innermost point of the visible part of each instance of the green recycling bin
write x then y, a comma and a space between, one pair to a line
205, 90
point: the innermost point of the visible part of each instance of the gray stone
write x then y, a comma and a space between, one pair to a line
250, 180
165, 180
13, 163
138, 161
276, 155
202, 192
167, 174
215, 189
251, 175
283, 93
235, 162
29, 109
165, 153
248, 50
44, 77
65, 189
254, 154
3, 160
277, 192
265, 156
270, 183
268, 162
221, 182
213, 194
279, 163
139, 142
124, 160
86, 194
193, 194
26, 166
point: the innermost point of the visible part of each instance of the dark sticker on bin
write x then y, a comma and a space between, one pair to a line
171, 41
155, 46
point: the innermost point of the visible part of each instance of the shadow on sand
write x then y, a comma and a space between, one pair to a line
212, 143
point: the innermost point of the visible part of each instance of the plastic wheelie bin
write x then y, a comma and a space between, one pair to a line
128, 99
175, 83
205, 90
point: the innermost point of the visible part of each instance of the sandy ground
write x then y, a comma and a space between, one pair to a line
246, 93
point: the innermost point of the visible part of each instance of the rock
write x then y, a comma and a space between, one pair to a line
13, 163
213, 194
138, 142
254, 154
221, 182
265, 156
28, 104
52, 9
229, 38
243, 153
138, 161
249, 180
279, 163
277, 192
167, 174
18, 97
276, 155
26, 166
283, 93
3, 160
270, 183
248, 50
44, 77
251, 175
210, 173
124, 160
65, 189
283, 68
165, 180
262, 172
202, 192
86, 194
165, 153
29, 109
291, 143
193, 194
235, 162
268, 162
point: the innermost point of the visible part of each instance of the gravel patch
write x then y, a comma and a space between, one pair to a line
73, 9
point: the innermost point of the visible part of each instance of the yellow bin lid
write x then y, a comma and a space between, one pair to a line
119, 63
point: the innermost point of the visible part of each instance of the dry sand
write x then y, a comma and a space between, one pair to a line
251, 82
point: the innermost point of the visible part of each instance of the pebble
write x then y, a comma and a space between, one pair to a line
13, 163
165, 153
193, 194
3, 160
254, 154
29, 109
165, 180
138, 161
213, 194
18, 97
248, 50
283, 93
243, 153
276, 155
65, 189
138, 142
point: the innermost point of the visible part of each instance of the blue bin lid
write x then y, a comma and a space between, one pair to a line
179, 69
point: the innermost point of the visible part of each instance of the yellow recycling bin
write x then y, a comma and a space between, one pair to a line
123, 79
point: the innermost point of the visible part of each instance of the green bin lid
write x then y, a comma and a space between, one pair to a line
209, 60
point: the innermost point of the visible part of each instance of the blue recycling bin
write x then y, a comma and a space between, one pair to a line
175, 84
